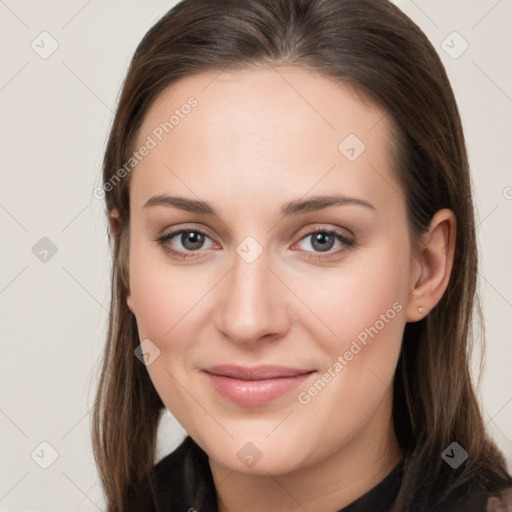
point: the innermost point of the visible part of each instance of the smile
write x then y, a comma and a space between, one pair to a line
253, 387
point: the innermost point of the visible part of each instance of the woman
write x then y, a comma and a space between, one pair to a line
294, 272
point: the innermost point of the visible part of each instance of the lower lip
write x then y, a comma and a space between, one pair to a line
254, 392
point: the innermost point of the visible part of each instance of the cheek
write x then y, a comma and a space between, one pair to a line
164, 296
370, 292
364, 309
165, 300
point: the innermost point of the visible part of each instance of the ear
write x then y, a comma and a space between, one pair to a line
114, 221
433, 265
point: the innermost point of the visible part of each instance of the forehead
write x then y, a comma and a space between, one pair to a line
265, 131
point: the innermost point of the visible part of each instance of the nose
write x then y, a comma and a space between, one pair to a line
253, 304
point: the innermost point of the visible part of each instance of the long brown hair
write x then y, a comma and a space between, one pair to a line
377, 50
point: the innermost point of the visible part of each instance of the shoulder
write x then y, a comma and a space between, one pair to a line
475, 499
171, 478
175, 460
501, 502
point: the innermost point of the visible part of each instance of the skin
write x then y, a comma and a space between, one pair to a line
257, 139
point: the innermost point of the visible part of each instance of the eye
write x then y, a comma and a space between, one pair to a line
191, 240
323, 240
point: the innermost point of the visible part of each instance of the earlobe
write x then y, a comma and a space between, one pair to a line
129, 301
435, 259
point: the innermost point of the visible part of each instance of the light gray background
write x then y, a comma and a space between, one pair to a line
55, 115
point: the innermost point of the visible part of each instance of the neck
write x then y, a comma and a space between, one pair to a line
331, 484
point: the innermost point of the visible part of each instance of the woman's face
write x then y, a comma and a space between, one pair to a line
255, 285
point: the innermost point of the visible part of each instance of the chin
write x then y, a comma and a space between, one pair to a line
258, 457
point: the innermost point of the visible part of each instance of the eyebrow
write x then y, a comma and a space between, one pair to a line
294, 207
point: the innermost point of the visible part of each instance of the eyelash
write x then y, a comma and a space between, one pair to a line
347, 242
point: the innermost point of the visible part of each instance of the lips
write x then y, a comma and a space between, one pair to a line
255, 372
256, 385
